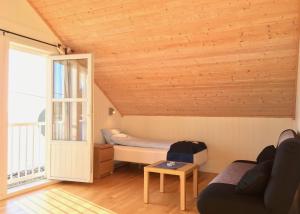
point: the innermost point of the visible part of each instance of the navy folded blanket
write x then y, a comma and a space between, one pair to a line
183, 151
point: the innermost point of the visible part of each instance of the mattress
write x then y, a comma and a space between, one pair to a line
149, 155
127, 140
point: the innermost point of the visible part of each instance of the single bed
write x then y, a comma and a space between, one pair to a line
140, 150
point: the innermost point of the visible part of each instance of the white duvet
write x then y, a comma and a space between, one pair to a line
127, 140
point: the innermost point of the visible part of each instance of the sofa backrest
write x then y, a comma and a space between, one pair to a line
285, 177
286, 134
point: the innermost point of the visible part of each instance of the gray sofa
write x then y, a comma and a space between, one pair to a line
220, 196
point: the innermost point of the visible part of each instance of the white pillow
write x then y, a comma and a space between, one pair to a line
107, 133
121, 135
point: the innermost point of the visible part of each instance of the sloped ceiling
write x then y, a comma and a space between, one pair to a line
189, 58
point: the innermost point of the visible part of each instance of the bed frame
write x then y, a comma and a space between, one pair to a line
149, 155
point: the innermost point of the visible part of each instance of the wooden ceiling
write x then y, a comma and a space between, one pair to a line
189, 58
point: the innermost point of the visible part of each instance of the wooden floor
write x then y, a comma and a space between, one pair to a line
121, 193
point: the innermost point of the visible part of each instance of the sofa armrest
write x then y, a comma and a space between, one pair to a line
233, 173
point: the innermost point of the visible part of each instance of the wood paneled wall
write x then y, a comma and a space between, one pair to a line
194, 57
227, 139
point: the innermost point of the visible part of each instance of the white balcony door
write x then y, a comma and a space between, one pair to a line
70, 144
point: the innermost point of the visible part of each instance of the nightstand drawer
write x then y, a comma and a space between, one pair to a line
106, 154
103, 168
103, 152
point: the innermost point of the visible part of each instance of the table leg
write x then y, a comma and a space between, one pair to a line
195, 182
182, 191
162, 182
146, 187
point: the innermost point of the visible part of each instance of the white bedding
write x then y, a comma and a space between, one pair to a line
127, 140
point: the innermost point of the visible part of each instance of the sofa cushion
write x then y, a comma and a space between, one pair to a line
256, 179
220, 198
285, 177
268, 153
233, 173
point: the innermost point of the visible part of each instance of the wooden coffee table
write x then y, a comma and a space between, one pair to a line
182, 172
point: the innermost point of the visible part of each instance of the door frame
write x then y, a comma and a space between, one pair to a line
7, 41
4, 53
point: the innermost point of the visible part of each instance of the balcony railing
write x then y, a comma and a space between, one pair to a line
26, 153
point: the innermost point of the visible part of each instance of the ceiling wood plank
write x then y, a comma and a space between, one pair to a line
187, 58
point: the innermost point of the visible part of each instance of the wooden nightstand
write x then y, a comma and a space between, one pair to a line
103, 160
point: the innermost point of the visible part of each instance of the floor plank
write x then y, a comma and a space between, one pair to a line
121, 193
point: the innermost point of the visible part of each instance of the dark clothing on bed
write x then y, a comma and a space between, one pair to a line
183, 151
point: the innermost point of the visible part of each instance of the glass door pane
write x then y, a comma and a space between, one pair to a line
69, 121
70, 78
69, 105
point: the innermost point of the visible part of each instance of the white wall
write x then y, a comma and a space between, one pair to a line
19, 17
228, 139
101, 117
